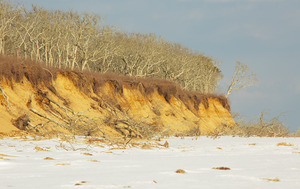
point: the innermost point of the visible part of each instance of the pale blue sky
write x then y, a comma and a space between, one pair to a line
264, 34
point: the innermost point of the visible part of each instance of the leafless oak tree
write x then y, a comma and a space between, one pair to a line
242, 78
67, 39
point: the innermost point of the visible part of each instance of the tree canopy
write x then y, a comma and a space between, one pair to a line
68, 39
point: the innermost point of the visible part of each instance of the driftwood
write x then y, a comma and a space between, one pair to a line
46, 117
79, 122
5, 97
76, 122
136, 129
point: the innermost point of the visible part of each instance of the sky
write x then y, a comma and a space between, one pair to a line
264, 34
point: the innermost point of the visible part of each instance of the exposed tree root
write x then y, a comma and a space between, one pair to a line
9, 106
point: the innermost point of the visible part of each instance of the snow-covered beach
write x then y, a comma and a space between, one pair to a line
250, 162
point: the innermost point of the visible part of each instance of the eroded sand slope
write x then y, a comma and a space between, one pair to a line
66, 100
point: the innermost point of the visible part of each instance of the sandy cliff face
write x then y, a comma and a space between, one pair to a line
37, 109
47, 101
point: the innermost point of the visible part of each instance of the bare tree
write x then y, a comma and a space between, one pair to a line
107, 48
242, 78
8, 14
67, 39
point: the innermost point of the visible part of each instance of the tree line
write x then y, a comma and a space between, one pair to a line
68, 39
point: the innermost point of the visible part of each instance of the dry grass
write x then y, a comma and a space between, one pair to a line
166, 144
275, 179
181, 171
87, 154
37, 148
284, 144
260, 127
93, 160
5, 155
222, 168
15, 70
63, 163
146, 146
295, 134
82, 182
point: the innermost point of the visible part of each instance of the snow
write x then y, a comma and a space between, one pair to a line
254, 163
